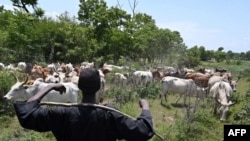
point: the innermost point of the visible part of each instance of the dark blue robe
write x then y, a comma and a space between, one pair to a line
81, 123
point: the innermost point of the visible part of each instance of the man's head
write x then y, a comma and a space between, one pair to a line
89, 81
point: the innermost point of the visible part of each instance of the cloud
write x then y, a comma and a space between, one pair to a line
53, 15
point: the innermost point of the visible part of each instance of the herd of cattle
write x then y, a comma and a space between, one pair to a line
215, 83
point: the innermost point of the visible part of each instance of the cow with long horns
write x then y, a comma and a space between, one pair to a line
221, 92
21, 92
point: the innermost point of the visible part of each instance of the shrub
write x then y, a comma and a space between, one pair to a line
243, 116
151, 91
6, 81
120, 95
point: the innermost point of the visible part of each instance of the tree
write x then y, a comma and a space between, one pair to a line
230, 54
25, 4
220, 49
203, 54
93, 13
19, 38
220, 56
248, 55
192, 57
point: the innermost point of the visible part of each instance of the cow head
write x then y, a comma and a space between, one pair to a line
224, 108
17, 91
233, 84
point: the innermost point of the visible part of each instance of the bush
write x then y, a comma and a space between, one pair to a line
191, 130
120, 95
6, 81
151, 91
243, 116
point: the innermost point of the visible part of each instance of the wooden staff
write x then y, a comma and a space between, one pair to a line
92, 105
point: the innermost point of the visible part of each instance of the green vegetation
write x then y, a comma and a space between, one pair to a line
99, 34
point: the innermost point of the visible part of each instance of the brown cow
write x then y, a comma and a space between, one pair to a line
38, 71
200, 79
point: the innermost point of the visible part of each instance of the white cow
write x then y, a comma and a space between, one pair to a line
10, 67
53, 67
142, 77
101, 91
19, 92
111, 67
145, 77
221, 92
182, 86
121, 79
87, 65
70, 77
53, 78
212, 80
21, 66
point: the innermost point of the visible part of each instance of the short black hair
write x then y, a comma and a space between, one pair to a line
89, 80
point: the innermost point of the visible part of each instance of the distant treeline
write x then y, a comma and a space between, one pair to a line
98, 34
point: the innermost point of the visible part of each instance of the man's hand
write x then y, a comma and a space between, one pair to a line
144, 104
55, 86
58, 87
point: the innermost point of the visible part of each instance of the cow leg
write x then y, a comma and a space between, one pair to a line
214, 110
224, 111
163, 95
184, 100
178, 99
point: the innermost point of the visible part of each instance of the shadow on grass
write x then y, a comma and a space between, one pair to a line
167, 106
177, 105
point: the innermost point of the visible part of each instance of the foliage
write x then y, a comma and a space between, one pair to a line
28, 37
120, 95
151, 91
242, 117
6, 81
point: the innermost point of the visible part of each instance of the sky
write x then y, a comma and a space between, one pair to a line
208, 23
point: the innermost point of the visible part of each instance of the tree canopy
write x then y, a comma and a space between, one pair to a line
99, 33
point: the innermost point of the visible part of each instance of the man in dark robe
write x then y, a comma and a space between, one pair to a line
84, 123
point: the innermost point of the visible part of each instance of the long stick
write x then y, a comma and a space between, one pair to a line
92, 105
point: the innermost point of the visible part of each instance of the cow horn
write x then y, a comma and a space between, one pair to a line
218, 100
225, 104
238, 79
206, 88
59, 78
26, 80
56, 72
15, 76
67, 71
230, 103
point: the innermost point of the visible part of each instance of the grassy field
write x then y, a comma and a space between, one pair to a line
174, 122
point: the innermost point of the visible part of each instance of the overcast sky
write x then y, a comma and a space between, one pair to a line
210, 23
